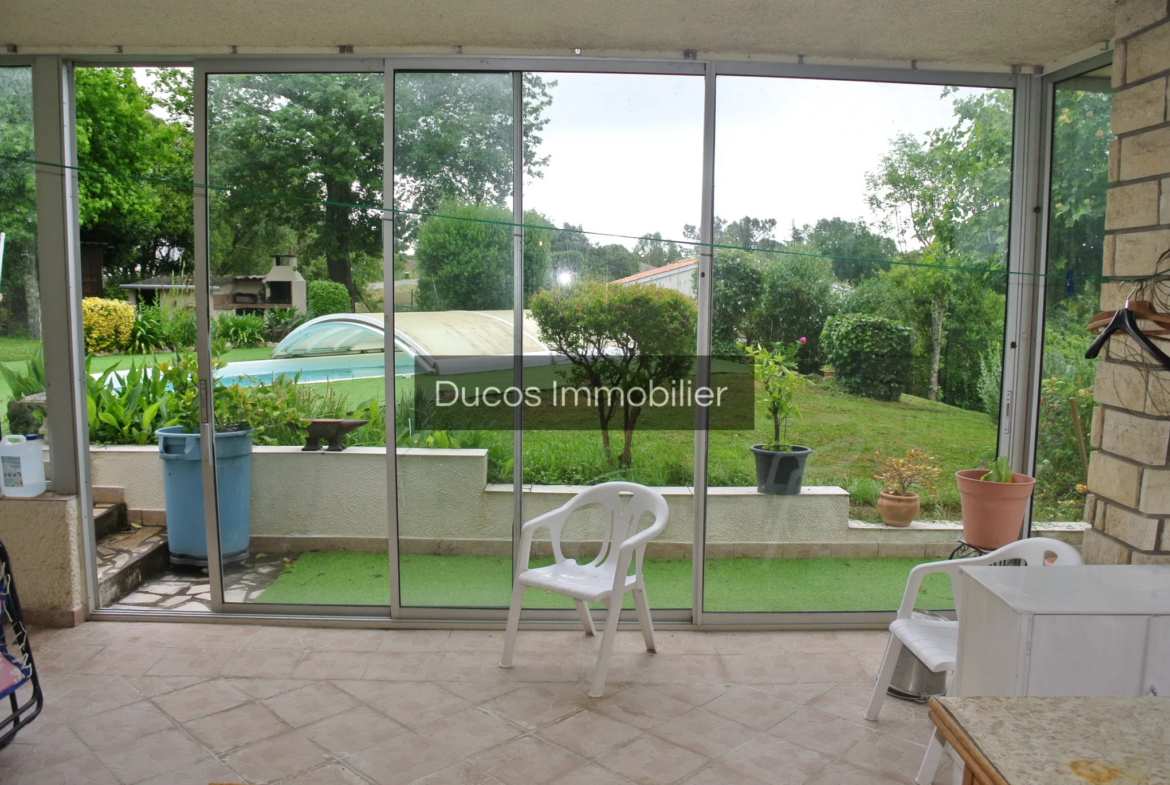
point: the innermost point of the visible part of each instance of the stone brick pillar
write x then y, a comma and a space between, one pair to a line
1129, 475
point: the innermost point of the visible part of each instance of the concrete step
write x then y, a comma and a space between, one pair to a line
108, 518
127, 559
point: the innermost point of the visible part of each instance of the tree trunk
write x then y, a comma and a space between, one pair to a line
604, 419
631, 418
936, 335
337, 220
32, 299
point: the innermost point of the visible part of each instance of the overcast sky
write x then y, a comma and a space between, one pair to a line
626, 150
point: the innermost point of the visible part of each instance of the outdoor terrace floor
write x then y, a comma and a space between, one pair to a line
189, 704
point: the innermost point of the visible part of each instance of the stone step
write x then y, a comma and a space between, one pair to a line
128, 558
108, 519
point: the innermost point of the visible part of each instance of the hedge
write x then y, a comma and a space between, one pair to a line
870, 354
107, 324
326, 297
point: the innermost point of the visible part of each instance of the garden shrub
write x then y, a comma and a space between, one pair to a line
180, 329
280, 322
870, 353
326, 297
241, 330
149, 331
107, 324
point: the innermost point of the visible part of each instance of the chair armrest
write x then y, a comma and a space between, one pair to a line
914, 581
554, 520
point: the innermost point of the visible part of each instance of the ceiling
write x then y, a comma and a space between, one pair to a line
983, 32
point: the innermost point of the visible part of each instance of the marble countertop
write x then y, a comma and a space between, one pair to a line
1058, 741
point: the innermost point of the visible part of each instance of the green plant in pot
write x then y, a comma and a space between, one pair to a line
898, 505
993, 503
779, 464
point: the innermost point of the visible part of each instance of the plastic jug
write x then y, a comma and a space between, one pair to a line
22, 466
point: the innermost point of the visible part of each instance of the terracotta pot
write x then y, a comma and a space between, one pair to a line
993, 512
898, 510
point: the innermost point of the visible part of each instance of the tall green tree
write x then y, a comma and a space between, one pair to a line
855, 248
18, 206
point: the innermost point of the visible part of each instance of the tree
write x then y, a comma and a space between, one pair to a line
745, 234
656, 252
797, 300
852, 245
619, 337
738, 296
18, 197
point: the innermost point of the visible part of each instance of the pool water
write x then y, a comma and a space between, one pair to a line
332, 368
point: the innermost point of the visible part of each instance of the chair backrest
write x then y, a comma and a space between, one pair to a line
1031, 552
621, 520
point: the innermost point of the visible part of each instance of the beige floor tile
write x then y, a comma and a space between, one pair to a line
269, 663
403, 666
705, 733
647, 668
758, 669
119, 725
84, 695
799, 693
886, 755
329, 774
527, 761
200, 773
121, 661
266, 688
533, 706
459, 774
333, 665
288, 638
821, 732
590, 733
64, 658
537, 642
403, 759
472, 666
276, 758
471, 730
481, 642
60, 746
694, 694
719, 774
424, 641
348, 640
191, 662
649, 760
139, 759
532, 667
200, 700
752, 707
590, 774
906, 720
844, 774
85, 769
776, 761
353, 731
411, 703
310, 703
236, 727
152, 686
643, 707
215, 636
632, 642
826, 666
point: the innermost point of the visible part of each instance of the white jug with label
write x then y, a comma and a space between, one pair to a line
22, 466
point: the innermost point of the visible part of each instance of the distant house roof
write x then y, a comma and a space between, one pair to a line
166, 282
646, 276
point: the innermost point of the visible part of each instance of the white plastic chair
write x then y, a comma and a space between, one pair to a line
936, 642
606, 578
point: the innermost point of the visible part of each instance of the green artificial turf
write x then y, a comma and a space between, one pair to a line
344, 578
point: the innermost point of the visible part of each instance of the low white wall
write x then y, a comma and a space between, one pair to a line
43, 538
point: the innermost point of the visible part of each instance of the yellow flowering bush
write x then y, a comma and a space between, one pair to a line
107, 324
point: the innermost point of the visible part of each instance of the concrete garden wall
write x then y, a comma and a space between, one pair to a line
43, 538
321, 500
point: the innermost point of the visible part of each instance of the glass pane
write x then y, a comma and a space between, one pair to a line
134, 146
296, 271
22, 383
865, 263
453, 315
614, 181
1076, 238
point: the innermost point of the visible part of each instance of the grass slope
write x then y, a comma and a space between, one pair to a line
342, 578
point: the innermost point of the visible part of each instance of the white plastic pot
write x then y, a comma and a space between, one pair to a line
22, 466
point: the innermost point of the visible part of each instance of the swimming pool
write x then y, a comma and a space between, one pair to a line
313, 370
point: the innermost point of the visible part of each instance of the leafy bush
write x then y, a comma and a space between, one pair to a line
241, 330
280, 322
180, 329
871, 354
129, 408
149, 331
776, 371
31, 380
899, 475
798, 299
738, 287
326, 297
107, 324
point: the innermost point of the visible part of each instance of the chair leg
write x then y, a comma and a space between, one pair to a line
586, 619
513, 625
885, 675
934, 751
614, 612
643, 608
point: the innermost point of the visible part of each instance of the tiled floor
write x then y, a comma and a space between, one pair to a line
189, 589
191, 704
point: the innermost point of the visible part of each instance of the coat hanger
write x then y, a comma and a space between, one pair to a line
1142, 309
1125, 320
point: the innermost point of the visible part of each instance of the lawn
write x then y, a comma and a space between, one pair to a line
343, 578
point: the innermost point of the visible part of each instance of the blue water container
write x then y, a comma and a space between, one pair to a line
183, 483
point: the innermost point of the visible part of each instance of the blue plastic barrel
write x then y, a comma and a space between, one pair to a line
183, 483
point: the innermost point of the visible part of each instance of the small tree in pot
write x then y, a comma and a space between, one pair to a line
993, 504
779, 465
897, 505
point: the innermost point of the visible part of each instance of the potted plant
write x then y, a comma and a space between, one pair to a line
993, 504
779, 464
897, 505
828, 371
